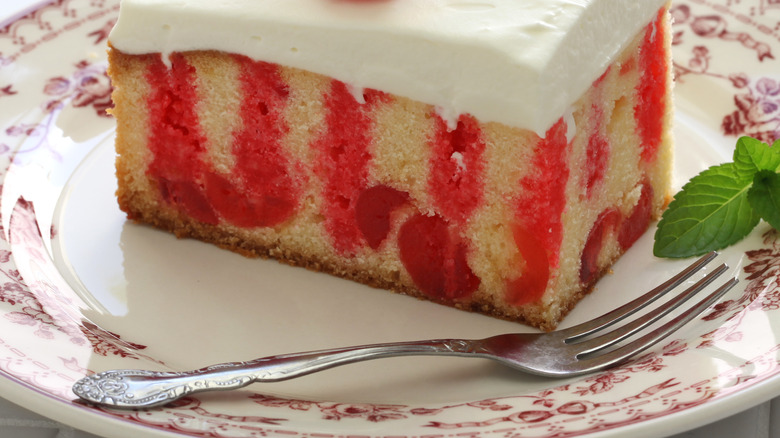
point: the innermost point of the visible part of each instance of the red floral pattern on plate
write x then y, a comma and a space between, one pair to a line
47, 342
43, 302
757, 99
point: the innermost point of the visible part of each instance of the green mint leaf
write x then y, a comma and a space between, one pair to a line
751, 156
764, 196
711, 212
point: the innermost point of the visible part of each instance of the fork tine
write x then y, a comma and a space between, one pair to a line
637, 304
615, 357
610, 338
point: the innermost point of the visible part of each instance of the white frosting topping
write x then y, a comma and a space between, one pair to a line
519, 62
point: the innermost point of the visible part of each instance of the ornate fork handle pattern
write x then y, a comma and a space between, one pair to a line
141, 388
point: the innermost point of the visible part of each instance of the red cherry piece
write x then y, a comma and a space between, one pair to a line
637, 223
373, 209
589, 267
436, 261
189, 198
236, 207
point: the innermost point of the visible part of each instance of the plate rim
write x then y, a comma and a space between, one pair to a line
772, 381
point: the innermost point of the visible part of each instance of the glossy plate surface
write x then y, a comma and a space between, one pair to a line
81, 289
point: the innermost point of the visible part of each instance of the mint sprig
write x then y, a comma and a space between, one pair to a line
722, 205
764, 196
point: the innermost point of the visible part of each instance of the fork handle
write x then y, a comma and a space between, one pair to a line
142, 389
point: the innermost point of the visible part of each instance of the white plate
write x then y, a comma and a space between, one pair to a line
81, 289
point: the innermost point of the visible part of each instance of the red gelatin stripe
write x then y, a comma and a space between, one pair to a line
543, 199
175, 138
265, 193
456, 175
539, 228
435, 260
597, 161
373, 209
530, 287
598, 149
651, 107
343, 161
260, 191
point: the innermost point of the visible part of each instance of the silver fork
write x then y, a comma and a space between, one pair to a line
574, 351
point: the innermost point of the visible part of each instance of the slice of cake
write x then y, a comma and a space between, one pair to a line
495, 156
